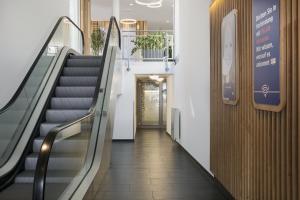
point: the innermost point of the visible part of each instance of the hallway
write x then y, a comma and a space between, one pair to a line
153, 167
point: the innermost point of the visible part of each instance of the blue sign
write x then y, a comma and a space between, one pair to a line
266, 52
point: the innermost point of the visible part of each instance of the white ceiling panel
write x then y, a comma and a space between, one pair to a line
157, 18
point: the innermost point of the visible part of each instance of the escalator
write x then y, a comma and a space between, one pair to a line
56, 131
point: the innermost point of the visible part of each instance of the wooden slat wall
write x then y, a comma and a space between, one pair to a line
255, 154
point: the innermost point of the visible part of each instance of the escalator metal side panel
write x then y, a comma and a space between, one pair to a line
45, 88
102, 154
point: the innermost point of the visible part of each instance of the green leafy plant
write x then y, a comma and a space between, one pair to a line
98, 39
151, 41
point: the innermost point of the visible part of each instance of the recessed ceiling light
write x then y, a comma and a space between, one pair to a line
148, 3
154, 77
128, 21
160, 79
131, 4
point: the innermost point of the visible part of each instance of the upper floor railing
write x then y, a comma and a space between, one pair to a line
148, 45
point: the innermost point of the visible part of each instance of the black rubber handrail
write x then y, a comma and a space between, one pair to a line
21, 86
43, 158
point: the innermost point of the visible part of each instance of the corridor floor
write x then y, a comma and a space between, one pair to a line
153, 167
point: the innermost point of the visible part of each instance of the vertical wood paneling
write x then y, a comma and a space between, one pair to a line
298, 94
255, 154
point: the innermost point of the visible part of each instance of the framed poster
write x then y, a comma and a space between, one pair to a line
268, 68
230, 71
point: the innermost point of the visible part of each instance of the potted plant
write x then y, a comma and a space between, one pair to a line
152, 45
98, 39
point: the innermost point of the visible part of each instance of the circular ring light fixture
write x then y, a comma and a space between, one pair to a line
144, 3
155, 5
128, 21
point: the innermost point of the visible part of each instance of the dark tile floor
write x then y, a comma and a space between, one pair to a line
153, 167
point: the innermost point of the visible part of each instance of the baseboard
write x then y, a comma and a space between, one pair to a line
223, 190
168, 134
121, 140
209, 176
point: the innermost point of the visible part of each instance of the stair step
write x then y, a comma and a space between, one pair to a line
56, 161
53, 176
81, 71
71, 145
84, 57
45, 128
74, 91
62, 116
84, 62
71, 103
78, 81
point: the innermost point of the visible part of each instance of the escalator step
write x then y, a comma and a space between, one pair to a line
71, 103
62, 116
74, 91
81, 71
83, 62
45, 128
70, 145
78, 81
84, 57
56, 161
53, 176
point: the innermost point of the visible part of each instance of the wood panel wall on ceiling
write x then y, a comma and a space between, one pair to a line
255, 154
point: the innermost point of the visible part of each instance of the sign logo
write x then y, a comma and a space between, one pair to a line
265, 90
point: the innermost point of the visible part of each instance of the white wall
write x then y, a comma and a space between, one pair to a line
74, 11
116, 9
125, 121
192, 77
25, 26
170, 99
101, 12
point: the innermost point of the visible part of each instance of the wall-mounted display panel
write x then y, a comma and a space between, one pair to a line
268, 67
230, 71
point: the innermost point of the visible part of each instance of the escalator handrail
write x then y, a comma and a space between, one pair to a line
21, 86
97, 90
44, 155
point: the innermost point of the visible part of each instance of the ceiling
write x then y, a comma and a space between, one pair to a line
157, 18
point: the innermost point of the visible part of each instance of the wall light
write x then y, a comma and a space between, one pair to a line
128, 21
